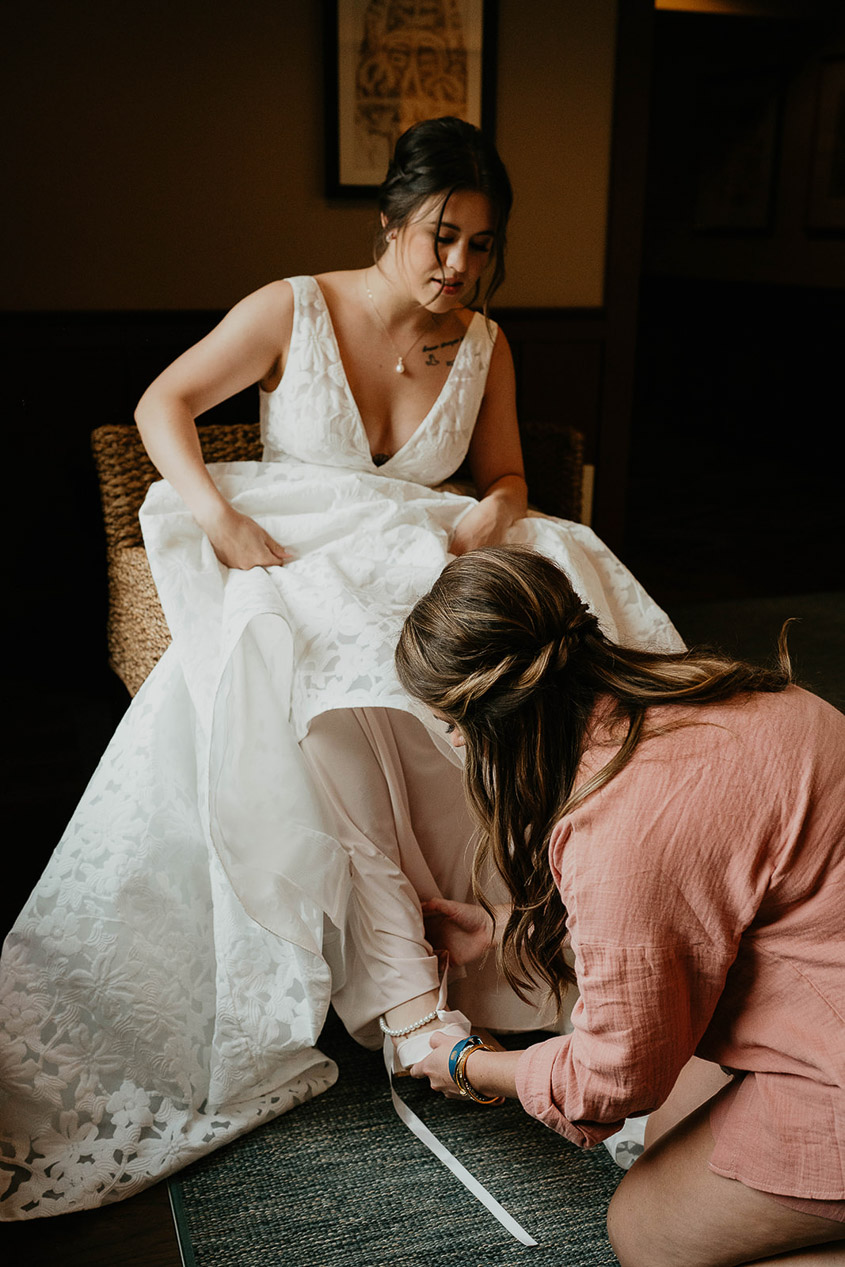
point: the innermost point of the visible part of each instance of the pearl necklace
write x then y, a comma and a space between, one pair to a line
399, 367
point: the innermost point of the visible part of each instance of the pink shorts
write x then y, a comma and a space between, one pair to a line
804, 1205
810, 1205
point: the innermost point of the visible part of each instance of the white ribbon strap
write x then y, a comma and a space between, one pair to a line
431, 1141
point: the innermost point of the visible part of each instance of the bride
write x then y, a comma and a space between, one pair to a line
273, 810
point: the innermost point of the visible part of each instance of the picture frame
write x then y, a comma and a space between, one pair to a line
738, 126
826, 191
387, 65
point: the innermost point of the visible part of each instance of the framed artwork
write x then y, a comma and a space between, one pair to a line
391, 63
737, 141
826, 198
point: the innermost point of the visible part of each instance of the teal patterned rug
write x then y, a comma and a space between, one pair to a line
342, 1182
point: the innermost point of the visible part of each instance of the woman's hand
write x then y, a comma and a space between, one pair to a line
239, 542
435, 1067
487, 523
489, 1072
248, 346
462, 928
495, 460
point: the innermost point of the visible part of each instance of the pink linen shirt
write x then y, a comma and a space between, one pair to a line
705, 889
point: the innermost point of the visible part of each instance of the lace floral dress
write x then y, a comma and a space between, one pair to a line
270, 810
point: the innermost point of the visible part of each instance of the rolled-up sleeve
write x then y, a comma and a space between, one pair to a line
639, 1017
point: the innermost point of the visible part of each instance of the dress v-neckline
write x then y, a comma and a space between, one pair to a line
362, 430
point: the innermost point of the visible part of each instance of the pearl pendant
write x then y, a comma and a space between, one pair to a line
400, 366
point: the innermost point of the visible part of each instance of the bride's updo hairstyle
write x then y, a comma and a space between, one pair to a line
503, 648
435, 159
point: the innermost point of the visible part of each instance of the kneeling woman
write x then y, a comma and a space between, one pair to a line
679, 821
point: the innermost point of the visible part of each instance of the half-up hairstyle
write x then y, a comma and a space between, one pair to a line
435, 159
504, 649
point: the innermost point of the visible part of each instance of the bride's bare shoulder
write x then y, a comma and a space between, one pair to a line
265, 307
343, 284
276, 295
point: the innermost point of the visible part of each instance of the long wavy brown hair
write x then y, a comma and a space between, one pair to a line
503, 648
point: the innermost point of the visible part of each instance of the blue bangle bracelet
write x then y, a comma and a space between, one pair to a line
473, 1041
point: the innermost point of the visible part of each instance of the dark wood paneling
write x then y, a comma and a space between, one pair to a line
735, 482
628, 162
65, 375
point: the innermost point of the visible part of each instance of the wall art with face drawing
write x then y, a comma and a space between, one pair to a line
392, 63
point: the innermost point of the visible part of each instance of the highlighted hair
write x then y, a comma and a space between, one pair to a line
505, 649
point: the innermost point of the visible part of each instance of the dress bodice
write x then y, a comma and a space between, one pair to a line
313, 416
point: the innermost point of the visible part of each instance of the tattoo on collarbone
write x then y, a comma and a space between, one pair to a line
430, 351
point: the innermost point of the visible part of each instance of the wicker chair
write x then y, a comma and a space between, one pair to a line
137, 630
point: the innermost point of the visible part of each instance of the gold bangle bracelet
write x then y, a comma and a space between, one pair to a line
459, 1076
464, 1085
468, 1044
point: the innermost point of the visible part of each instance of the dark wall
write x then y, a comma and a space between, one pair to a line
167, 155
735, 480
735, 143
65, 375
733, 488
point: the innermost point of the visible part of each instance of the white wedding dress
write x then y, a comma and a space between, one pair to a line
220, 882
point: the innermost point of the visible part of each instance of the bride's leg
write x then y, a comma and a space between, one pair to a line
391, 969
401, 813
436, 834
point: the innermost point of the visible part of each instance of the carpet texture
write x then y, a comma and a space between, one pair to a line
341, 1182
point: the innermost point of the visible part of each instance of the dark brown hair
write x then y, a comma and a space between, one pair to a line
435, 159
504, 648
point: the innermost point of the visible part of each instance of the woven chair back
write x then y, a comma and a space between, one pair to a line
125, 472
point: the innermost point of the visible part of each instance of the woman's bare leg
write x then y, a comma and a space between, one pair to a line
697, 1082
671, 1209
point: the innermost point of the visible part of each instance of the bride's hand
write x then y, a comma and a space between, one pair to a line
462, 928
485, 525
239, 542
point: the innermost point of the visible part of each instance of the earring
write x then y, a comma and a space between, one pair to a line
391, 237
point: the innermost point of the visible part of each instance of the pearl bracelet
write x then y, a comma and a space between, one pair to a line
409, 1029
